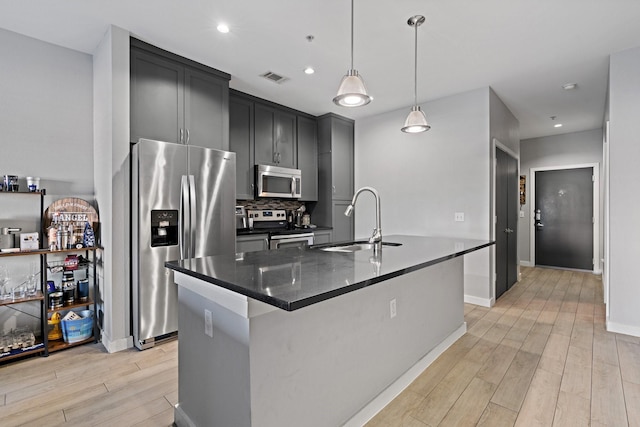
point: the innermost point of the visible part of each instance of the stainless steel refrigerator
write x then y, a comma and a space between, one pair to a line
183, 206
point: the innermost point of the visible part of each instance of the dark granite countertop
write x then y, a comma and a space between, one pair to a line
248, 232
293, 278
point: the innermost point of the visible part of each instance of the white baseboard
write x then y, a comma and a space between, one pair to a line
484, 302
526, 263
114, 346
619, 328
180, 418
391, 392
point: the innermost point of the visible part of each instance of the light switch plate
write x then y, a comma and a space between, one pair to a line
521, 214
459, 217
208, 323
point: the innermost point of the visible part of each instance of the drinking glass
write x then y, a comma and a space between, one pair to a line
32, 279
5, 291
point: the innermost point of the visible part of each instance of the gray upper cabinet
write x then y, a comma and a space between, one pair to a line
308, 157
177, 100
241, 143
342, 153
157, 97
275, 137
206, 109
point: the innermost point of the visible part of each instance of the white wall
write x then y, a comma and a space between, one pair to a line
423, 179
557, 150
624, 205
111, 140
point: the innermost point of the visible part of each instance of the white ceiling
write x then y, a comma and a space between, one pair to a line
524, 49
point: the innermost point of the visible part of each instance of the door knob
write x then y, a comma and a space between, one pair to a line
539, 224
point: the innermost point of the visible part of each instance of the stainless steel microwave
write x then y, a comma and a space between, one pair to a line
275, 181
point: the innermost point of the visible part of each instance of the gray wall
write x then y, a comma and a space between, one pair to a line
423, 179
46, 113
111, 141
46, 128
558, 150
624, 205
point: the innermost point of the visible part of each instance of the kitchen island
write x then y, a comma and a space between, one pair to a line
310, 337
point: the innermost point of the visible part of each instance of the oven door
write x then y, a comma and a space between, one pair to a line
290, 240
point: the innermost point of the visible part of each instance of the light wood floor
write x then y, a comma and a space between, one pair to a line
540, 356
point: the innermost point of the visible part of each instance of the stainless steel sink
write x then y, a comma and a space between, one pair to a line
353, 247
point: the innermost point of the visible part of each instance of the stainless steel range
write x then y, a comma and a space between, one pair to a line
274, 221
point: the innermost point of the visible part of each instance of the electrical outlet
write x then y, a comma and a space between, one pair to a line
208, 323
392, 308
521, 214
459, 216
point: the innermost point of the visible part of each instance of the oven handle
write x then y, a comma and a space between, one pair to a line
297, 238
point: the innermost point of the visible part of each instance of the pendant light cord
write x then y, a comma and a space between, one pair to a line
352, 34
415, 74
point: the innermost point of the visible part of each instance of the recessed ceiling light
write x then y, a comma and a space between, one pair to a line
557, 125
223, 28
309, 70
569, 86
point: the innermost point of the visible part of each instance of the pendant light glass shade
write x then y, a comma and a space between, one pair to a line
416, 120
352, 92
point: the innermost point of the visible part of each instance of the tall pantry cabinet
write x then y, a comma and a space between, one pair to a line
335, 175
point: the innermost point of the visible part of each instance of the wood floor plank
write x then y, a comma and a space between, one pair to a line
515, 383
404, 404
571, 411
163, 419
632, 402
629, 357
496, 366
470, 406
554, 355
436, 405
497, 416
576, 378
138, 414
605, 349
540, 402
607, 396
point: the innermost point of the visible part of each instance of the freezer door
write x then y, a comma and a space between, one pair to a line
213, 200
157, 171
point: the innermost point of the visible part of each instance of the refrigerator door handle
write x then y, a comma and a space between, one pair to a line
192, 216
183, 238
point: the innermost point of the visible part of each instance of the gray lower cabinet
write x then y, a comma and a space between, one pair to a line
251, 243
335, 175
241, 143
275, 137
321, 237
308, 157
177, 100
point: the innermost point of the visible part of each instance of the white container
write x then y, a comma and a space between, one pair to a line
33, 183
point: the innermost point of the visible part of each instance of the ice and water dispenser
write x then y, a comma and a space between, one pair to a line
164, 228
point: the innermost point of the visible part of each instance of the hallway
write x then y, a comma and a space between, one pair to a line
539, 357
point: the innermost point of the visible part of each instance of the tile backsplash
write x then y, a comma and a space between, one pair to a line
270, 204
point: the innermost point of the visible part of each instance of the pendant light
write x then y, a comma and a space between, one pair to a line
416, 120
352, 92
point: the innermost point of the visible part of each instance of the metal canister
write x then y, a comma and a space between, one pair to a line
83, 290
55, 300
68, 288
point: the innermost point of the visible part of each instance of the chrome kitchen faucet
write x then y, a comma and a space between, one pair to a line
376, 237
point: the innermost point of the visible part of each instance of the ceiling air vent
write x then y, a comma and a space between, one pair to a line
276, 78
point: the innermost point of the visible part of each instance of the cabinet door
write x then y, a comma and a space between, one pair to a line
308, 157
241, 143
320, 237
263, 121
342, 225
256, 242
157, 98
342, 160
206, 103
285, 139
275, 137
